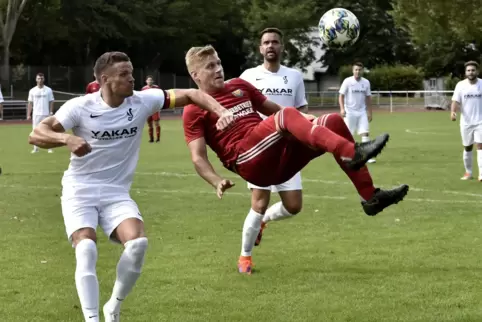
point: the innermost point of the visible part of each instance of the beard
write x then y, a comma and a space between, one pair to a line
271, 57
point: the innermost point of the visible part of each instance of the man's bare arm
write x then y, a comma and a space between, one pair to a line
48, 134
52, 107
29, 109
183, 97
303, 109
341, 103
204, 168
268, 107
454, 108
368, 104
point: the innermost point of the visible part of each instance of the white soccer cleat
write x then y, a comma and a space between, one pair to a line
50, 151
34, 151
111, 316
467, 176
371, 161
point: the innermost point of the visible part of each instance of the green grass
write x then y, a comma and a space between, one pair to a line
417, 261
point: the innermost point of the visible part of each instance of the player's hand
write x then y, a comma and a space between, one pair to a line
453, 116
222, 186
309, 117
78, 146
342, 113
29, 117
225, 120
370, 117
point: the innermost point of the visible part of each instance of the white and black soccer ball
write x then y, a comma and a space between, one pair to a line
339, 28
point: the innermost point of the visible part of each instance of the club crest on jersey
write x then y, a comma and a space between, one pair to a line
130, 115
238, 93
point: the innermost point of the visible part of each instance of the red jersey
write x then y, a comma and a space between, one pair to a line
243, 100
92, 87
148, 87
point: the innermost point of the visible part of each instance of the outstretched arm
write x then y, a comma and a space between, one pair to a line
183, 97
204, 168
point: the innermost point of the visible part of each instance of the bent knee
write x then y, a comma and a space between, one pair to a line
137, 246
293, 208
83, 234
260, 200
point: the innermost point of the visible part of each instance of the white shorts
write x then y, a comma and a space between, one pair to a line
292, 184
471, 134
357, 122
83, 209
36, 119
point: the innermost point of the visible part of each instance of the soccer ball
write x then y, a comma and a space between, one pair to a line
339, 28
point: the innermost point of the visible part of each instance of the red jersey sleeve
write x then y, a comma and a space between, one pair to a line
193, 123
255, 95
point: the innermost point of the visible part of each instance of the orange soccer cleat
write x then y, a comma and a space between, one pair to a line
260, 234
245, 265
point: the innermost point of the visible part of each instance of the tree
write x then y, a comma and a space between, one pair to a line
440, 32
10, 11
380, 41
293, 17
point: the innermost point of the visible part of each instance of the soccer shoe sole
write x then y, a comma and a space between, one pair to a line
400, 196
358, 164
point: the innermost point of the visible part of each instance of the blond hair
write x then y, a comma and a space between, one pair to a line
197, 55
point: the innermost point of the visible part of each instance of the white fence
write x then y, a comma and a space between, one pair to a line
388, 99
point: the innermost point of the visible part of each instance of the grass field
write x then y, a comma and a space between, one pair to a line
417, 261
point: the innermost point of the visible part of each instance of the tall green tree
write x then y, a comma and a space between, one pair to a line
380, 41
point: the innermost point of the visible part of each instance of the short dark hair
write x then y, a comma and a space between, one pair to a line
472, 63
271, 30
359, 64
149, 76
40, 74
108, 59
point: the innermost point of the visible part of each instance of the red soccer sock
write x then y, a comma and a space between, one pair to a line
158, 132
151, 133
361, 179
323, 138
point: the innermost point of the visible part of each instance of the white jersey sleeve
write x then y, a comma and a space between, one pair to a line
247, 75
369, 88
69, 113
51, 95
344, 87
1, 97
457, 96
156, 99
30, 95
300, 94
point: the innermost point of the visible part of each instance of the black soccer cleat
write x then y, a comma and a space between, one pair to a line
365, 151
383, 198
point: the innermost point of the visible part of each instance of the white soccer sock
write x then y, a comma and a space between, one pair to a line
276, 212
251, 228
467, 156
86, 279
479, 162
365, 139
128, 271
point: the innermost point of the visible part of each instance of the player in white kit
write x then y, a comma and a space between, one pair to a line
40, 104
467, 98
285, 87
107, 130
355, 103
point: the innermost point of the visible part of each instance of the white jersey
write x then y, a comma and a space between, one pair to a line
355, 92
469, 96
285, 87
41, 98
1, 97
113, 133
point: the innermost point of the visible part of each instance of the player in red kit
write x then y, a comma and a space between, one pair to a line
269, 152
92, 87
154, 118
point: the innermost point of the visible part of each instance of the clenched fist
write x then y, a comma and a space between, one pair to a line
78, 146
225, 120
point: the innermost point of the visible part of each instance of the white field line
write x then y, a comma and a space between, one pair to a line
425, 132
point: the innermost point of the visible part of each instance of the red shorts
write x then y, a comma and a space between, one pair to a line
154, 117
267, 157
